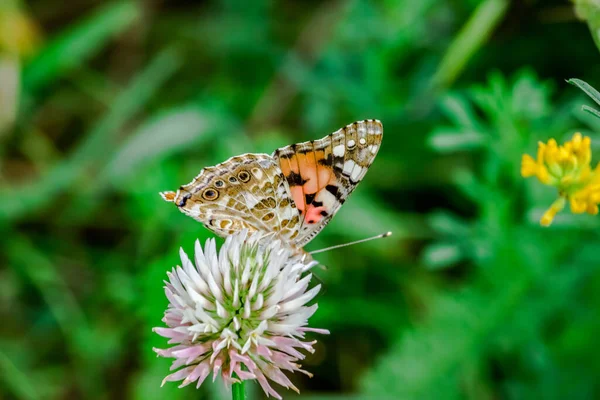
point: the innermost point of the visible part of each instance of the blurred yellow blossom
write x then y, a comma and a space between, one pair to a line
567, 168
19, 33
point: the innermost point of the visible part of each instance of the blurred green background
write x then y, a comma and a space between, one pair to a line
104, 104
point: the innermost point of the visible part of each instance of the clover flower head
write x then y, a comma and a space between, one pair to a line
568, 168
240, 313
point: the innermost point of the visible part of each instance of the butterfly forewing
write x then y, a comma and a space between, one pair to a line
321, 174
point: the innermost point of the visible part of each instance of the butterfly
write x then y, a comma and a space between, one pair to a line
291, 194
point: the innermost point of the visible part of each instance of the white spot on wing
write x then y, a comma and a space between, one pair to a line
362, 141
351, 143
355, 173
327, 199
373, 148
348, 166
338, 151
257, 173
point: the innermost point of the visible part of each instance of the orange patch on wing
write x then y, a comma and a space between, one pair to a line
326, 176
284, 164
168, 196
298, 196
293, 162
308, 171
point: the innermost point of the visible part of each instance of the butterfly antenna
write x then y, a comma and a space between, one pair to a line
383, 235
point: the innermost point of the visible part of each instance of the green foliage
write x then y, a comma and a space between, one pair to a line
469, 299
591, 92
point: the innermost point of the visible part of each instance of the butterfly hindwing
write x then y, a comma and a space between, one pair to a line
321, 174
244, 192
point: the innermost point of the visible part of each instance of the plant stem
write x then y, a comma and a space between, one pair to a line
238, 391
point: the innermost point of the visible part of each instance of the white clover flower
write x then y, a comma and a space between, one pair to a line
242, 311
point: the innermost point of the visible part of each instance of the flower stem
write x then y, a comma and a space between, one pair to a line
238, 391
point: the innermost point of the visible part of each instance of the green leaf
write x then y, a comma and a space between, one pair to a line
471, 37
591, 92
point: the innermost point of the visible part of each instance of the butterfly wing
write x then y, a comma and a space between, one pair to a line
244, 192
321, 174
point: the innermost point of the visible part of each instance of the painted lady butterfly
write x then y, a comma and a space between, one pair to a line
292, 193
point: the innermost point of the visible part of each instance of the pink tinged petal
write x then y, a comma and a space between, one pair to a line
308, 346
285, 361
316, 330
263, 351
228, 381
300, 301
288, 349
279, 377
262, 381
199, 370
169, 293
284, 329
188, 316
265, 341
288, 345
179, 375
217, 349
244, 375
304, 372
192, 352
216, 367
235, 356
200, 373
170, 333
179, 295
180, 362
232, 365
167, 353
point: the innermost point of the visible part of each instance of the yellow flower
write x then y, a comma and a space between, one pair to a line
567, 168
19, 33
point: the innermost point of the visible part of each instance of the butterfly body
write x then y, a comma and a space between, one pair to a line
291, 194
